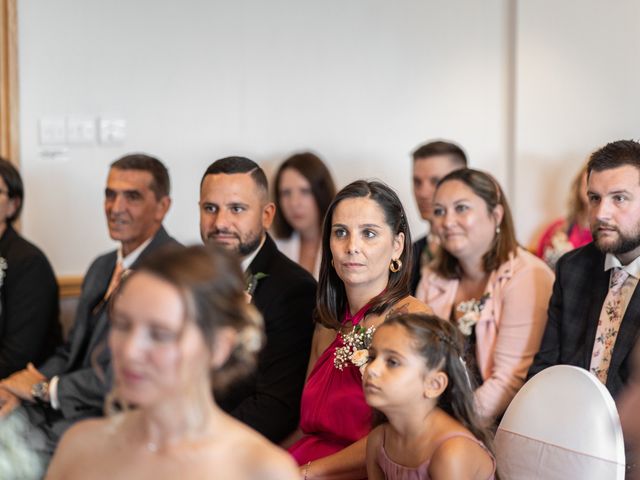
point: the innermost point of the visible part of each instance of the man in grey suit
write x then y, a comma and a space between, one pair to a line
72, 384
594, 311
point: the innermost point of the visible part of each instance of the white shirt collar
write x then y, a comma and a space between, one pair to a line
133, 256
247, 260
633, 269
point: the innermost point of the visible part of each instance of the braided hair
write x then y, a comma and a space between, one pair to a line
441, 345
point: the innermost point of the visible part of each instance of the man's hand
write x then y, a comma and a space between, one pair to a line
20, 383
8, 402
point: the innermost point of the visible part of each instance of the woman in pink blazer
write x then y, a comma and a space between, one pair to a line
483, 281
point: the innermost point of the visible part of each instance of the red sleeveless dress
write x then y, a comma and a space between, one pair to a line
333, 412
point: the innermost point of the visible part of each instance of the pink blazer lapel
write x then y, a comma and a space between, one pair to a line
489, 321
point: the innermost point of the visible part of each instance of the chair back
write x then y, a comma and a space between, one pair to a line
562, 424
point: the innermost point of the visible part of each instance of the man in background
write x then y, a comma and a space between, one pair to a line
431, 162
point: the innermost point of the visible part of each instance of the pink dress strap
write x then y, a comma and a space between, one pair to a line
395, 471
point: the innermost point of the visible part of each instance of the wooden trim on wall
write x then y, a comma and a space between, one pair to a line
70, 286
9, 139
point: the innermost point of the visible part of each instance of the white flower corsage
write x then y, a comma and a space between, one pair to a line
355, 349
471, 313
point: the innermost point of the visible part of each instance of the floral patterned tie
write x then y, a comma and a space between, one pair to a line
608, 326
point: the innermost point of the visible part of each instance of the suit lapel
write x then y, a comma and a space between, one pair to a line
94, 292
102, 322
261, 263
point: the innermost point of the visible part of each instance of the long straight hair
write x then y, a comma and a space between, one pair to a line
332, 296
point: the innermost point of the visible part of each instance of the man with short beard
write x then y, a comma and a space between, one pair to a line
235, 212
594, 311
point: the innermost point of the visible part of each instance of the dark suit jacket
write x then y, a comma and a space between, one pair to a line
269, 401
81, 386
574, 309
418, 247
29, 326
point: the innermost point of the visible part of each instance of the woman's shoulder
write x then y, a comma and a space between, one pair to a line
261, 458
461, 455
409, 304
95, 429
85, 440
523, 262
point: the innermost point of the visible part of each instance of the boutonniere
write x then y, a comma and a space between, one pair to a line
471, 313
252, 282
355, 349
3, 270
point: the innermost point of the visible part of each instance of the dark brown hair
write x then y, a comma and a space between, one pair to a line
441, 147
161, 184
233, 165
313, 169
15, 189
441, 345
504, 243
331, 297
614, 155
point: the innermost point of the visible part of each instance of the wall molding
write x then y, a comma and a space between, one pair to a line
9, 139
70, 286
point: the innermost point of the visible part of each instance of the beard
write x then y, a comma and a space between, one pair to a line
244, 247
625, 242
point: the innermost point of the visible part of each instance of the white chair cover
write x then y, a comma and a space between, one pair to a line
562, 424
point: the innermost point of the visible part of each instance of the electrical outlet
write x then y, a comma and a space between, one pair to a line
113, 130
53, 131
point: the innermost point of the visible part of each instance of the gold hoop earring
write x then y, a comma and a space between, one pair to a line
395, 265
332, 263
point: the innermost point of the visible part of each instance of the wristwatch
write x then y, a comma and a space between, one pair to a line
40, 391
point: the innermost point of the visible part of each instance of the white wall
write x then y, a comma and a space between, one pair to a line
577, 89
361, 82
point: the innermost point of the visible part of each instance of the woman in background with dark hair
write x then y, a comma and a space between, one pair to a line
496, 292
303, 191
180, 328
364, 277
29, 308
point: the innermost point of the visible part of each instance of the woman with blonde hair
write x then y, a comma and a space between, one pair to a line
572, 231
180, 326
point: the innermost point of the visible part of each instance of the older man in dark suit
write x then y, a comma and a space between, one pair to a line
235, 212
72, 384
594, 311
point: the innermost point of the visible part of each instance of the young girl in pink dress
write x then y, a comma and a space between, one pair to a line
417, 379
